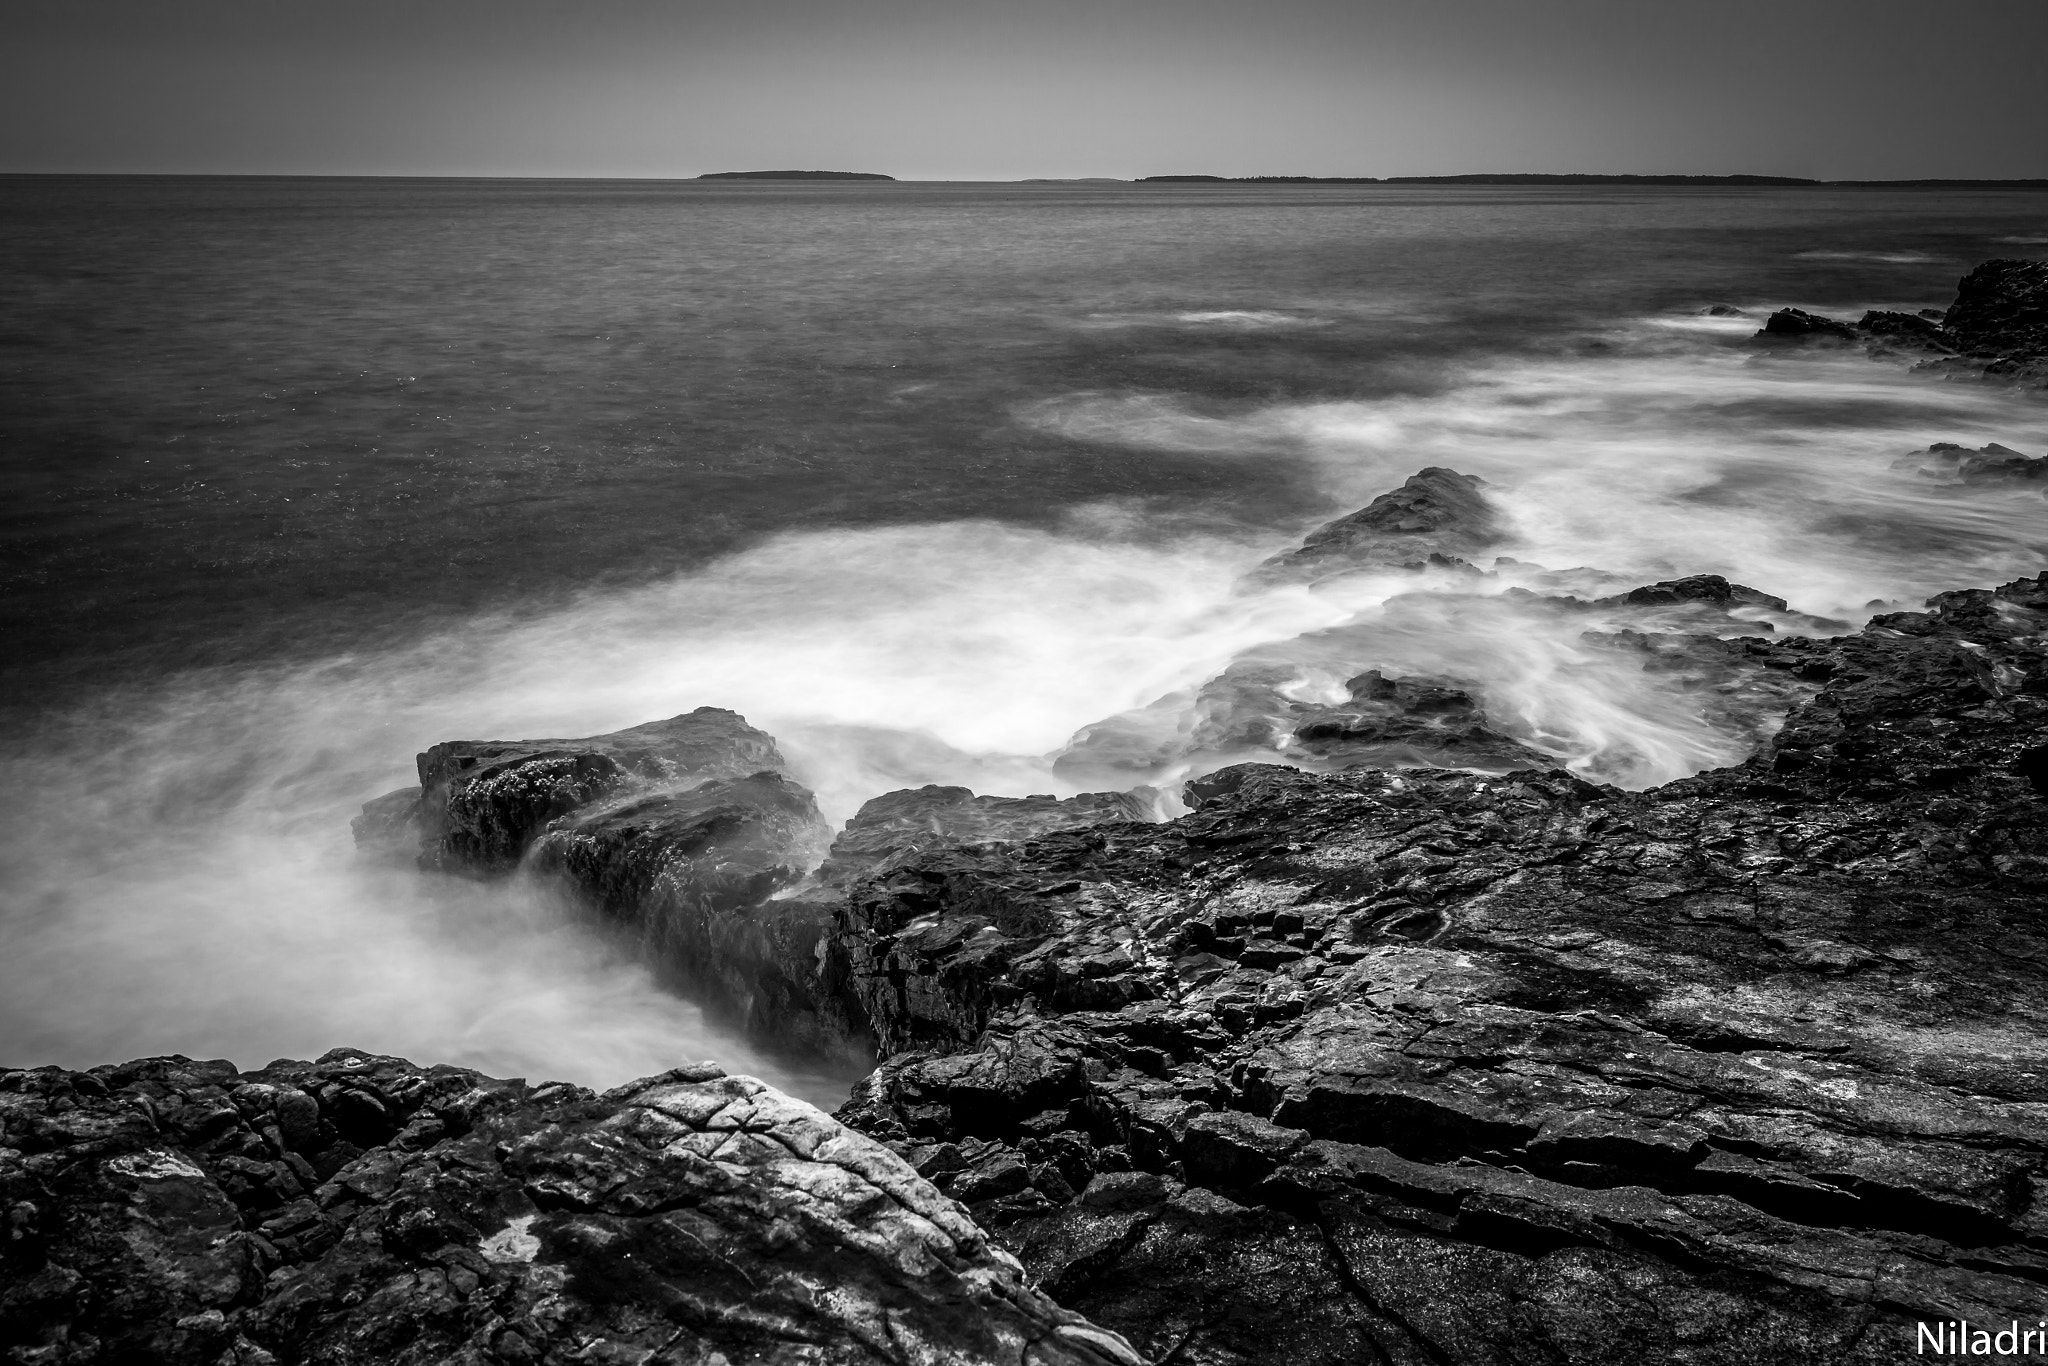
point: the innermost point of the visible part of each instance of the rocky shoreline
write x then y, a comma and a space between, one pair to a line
1406, 1043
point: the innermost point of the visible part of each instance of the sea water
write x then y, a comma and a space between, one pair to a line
304, 475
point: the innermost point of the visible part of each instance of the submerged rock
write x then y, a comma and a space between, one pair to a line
365, 1211
1440, 1067
1991, 464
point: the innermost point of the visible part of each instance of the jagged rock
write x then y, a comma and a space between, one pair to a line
1723, 311
903, 822
1438, 518
1410, 722
1439, 1067
697, 874
2001, 309
481, 802
1706, 588
1892, 332
1796, 324
1991, 464
363, 1211
1254, 710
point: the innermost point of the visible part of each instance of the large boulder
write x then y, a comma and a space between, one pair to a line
480, 803
2001, 309
1440, 1067
360, 1211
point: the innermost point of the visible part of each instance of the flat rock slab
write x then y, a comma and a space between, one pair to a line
363, 1210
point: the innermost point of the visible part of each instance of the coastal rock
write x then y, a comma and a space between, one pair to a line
697, 875
2001, 309
1891, 332
480, 803
1796, 324
1430, 1066
1257, 709
1706, 588
897, 824
360, 1211
1991, 464
1439, 517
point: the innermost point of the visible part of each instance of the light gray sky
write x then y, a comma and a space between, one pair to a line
1002, 89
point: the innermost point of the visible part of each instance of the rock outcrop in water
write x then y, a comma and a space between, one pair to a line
361, 1211
1438, 1067
1406, 1064
1997, 327
1438, 517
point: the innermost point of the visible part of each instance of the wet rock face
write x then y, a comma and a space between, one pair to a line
480, 803
684, 831
1997, 327
361, 1210
2001, 308
1445, 1067
897, 824
1991, 464
1796, 324
1438, 516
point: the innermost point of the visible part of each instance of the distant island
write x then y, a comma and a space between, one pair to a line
793, 175
1531, 178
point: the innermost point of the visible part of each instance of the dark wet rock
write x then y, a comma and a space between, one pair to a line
1431, 1066
480, 803
1991, 464
1255, 710
1439, 518
2001, 309
900, 823
1796, 324
1409, 722
1903, 333
1723, 311
696, 876
182, 1213
1706, 588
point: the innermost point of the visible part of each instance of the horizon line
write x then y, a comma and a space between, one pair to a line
1666, 178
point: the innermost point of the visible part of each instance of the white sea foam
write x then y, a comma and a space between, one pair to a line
1895, 258
184, 878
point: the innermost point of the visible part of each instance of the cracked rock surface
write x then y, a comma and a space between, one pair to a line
1444, 1067
362, 1210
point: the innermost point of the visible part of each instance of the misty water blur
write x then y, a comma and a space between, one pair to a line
1055, 537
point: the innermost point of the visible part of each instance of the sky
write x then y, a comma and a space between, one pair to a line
1008, 89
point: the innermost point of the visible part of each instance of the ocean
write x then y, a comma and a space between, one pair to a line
302, 476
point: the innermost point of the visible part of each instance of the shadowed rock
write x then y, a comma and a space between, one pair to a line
1707, 588
1437, 517
1992, 464
1796, 324
481, 802
2001, 309
363, 1211
898, 824
1429, 1066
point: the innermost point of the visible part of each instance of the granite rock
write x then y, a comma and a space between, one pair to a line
360, 1211
1431, 1066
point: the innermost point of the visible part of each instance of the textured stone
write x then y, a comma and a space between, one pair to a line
1753, 1066
687, 1218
